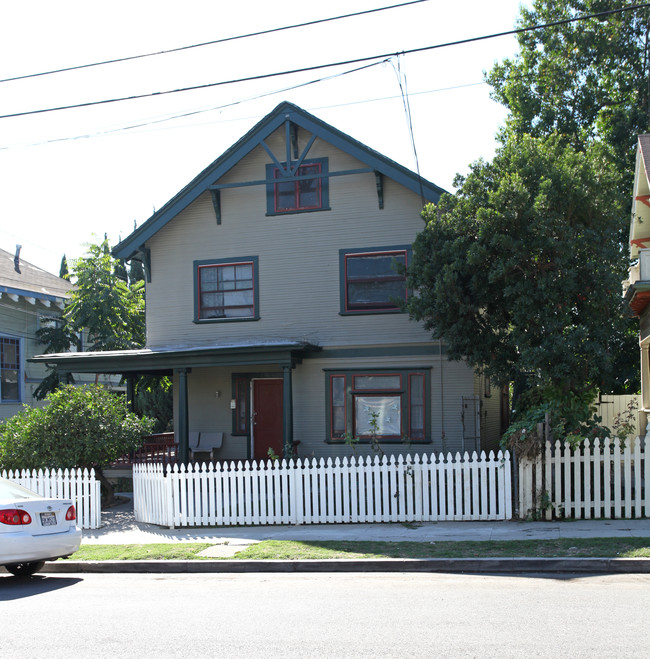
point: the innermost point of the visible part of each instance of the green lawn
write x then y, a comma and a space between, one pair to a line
286, 550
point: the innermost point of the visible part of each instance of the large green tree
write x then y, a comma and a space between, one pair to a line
518, 271
103, 303
585, 80
79, 427
107, 307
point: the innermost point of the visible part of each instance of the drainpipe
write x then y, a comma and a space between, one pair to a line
287, 412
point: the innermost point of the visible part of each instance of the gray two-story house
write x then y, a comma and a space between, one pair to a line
274, 285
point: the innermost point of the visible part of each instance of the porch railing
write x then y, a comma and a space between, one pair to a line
156, 449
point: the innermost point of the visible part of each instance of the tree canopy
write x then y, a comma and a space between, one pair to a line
104, 304
586, 80
518, 271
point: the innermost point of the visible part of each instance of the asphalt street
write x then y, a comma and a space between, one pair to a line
324, 615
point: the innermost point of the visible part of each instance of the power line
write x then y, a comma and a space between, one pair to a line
211, 43
358, 60
190, 113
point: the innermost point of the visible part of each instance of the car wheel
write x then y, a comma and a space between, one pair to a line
25, 569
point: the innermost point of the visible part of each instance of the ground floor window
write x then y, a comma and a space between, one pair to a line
9, 369
393, 405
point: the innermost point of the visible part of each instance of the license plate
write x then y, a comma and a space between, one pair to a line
48, 519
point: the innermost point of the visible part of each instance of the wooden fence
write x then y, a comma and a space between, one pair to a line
80, 486
403, 489
598, 479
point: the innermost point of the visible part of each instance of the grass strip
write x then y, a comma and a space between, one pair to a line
333, 549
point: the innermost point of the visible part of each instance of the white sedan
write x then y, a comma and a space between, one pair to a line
34, 529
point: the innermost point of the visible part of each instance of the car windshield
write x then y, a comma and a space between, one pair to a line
9, 490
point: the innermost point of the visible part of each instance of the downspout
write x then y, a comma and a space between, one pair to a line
442, 401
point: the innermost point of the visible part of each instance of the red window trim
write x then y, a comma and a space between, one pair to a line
396, 277
424, 406
297, 206
345, 406
201, 308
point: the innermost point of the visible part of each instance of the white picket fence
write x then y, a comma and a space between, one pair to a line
599, 479
403, 489
79, 485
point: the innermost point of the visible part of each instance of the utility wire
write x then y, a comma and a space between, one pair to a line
190, 113
211, 43
358, 60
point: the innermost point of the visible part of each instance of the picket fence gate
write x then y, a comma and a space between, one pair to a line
79, 485
598, 479
402, 489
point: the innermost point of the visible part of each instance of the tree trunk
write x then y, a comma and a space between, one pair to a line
108, 491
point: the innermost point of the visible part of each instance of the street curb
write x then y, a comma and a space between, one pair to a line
449, 565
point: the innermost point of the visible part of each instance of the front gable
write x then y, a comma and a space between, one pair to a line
300, 131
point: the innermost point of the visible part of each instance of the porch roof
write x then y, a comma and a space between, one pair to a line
164, 359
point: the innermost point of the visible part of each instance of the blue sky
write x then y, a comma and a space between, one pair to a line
70, 176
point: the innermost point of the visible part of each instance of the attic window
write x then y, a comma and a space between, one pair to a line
305, 190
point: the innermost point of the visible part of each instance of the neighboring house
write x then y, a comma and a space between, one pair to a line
637, 288
29, 297
273, 291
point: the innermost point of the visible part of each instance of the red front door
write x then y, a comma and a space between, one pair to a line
267, 418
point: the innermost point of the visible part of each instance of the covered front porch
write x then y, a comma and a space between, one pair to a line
242, 392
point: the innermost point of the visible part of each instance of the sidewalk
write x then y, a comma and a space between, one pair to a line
120, 527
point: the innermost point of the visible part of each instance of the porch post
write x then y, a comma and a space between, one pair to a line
130, 393
287, 412
183, 421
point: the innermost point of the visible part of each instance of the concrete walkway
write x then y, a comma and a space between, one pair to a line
120, 527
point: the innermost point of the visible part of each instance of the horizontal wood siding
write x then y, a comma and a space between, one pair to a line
450, 381
298, 258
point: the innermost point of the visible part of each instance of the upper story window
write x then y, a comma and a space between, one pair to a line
306, 190
226, 289
372, 281
9, 369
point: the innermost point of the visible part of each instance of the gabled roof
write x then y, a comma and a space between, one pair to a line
30, 282
431, 192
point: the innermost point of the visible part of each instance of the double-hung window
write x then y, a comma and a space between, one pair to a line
390, 405
10, 370
373, 280
226, 289
305, 189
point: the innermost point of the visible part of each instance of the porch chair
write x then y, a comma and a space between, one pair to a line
210, 443
193, 441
